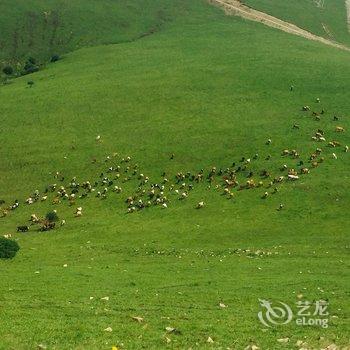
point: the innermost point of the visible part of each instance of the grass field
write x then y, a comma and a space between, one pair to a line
328, 20
209, 89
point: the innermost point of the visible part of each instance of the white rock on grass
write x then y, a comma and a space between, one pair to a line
210, 340
283, 340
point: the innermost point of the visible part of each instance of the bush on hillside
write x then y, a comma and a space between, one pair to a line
30, 68
8, 248
8, 70
51, 216
55, 58
32, 60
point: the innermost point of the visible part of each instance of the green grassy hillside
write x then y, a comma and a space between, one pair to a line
41, 28
209, 89
329, 21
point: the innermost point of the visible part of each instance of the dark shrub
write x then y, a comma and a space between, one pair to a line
51, 216
30, 68
55, 58
32, 60
8, 70
8, 248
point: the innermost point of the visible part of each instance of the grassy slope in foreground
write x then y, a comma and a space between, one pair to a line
211, 89
329, 21
40, 28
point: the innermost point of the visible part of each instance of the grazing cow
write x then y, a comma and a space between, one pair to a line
34, 219
47, 226
79, 212
30, 200
283, 167
250, 183
184, 195
131, 209
333, 143
264, 173
313, 156
56, 200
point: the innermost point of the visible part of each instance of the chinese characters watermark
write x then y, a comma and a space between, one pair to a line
305, 313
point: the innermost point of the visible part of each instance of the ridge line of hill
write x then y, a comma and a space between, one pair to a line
235, 7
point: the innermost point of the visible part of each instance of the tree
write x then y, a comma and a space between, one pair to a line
51, 216
8, 70
8, 248
31, 60
30, 68
55, 58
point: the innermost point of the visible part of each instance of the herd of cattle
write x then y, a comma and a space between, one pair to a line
239, 176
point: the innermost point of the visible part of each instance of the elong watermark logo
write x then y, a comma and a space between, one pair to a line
307, 313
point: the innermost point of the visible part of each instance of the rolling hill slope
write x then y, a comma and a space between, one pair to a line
39, 29
237, 8
209, 89
328, 20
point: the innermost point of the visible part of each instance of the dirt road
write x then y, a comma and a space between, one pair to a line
234, 7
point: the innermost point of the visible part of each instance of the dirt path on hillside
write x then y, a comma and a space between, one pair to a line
347, 2
234, 7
